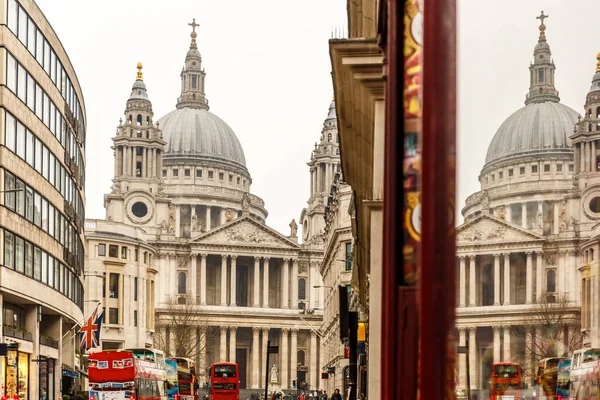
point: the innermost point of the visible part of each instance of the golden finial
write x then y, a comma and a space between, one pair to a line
139, 73
598, 64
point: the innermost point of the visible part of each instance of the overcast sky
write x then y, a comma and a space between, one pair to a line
268, 75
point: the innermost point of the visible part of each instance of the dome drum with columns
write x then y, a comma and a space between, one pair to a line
184, 183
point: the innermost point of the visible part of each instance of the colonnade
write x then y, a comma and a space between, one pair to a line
507, 345
287, 362
558, 277
321, 175
262, 268
126, 159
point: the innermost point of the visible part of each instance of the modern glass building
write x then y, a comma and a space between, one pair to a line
42, 177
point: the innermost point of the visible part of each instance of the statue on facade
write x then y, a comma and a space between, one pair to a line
164, 226
194, 223
293, 228
229, 215
246, 202
274, 374
501, 212
171, 220
485, 201
540, 219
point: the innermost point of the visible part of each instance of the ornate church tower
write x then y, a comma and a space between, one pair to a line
138, 149
541, 71
192, 77
324, 165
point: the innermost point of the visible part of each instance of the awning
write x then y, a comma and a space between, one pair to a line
67, 371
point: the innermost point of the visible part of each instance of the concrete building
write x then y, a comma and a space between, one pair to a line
181, 193
42, 158
520, 245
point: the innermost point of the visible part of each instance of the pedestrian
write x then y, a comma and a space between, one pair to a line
324, 394
336, 395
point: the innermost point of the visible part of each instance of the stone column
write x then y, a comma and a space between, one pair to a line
506, 343
506, 279
496, 344
208, 227
582, 157
203, 279
312, 182
222, 216
223, 344
193, 278
233, 285
524, 215
116, 166
286, 281
295, 284
265, 339
232, 343
255, 354
574, 279
462, 282
496, 279
529, 333
462, 359
555, 228
283, 353
294, 355
473, 356
509, 213
133, 161
203, 333
173, 273
223, 280
192, 213
472, 282
256, 294
529, 279
123, 160
144, 162
539, 274
152, 163
266, 282
313, 373
177, 220
560, 272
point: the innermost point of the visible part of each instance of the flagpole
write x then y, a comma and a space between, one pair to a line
79, 323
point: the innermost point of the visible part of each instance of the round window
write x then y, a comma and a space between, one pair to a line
595, 204
139, 209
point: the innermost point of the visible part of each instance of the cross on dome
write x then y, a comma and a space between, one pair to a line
193, 35
542, 27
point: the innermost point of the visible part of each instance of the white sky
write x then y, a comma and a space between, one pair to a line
268, 75
495, 45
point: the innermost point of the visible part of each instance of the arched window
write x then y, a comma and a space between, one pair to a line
147, 120
301, 358
591, 254
302, 289
329, 138
181, 283
139, 119
337, 152
337, 138
130, 118
551, 281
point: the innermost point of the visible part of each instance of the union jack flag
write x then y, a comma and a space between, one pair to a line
90, 331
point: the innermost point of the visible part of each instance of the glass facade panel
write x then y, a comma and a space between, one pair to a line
28, 259
10, 133
11, 73
9, 250
37, 264
20, 254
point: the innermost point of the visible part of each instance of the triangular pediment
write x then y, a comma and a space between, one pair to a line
487, 229
245, 232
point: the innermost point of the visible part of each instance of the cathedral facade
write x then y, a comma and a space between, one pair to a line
199, 253
528, 248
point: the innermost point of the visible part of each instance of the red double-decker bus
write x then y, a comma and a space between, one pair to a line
507, 379
224, 381
121, 375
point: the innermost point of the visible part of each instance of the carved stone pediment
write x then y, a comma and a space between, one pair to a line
486, 229
245, 231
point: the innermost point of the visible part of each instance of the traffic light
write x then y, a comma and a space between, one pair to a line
293, 384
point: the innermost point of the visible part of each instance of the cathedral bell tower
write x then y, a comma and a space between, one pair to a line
324, 166
138, 150
586, 138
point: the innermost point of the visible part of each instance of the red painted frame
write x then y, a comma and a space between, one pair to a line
434, 317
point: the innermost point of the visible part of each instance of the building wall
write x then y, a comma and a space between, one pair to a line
43, 131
